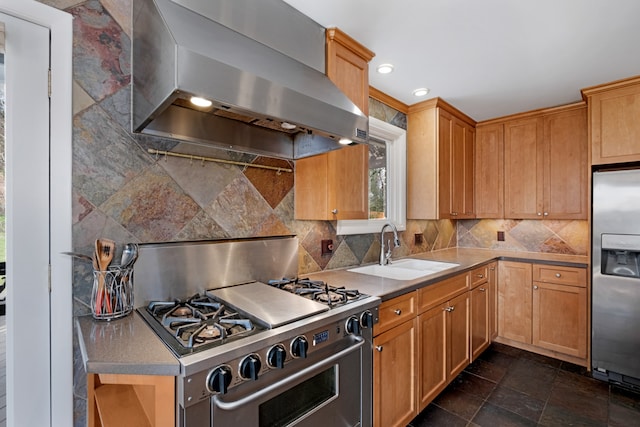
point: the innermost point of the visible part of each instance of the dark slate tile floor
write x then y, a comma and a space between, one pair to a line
507, 387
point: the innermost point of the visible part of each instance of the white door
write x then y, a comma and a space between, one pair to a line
27, 216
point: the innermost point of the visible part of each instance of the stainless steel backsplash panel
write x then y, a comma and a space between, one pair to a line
166, 271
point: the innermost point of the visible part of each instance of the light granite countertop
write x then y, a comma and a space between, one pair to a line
466, 258
124, 346
129, 345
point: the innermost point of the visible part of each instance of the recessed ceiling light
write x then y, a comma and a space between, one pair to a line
345, 141
421, 92
200, 102
385, 68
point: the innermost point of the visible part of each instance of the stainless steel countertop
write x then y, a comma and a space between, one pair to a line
466, 258
123, 346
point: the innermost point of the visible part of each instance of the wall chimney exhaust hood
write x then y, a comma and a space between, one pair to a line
260, 63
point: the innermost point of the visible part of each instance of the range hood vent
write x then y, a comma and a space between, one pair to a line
261, 65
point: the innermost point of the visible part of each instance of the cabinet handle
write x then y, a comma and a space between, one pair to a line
535, 287
398, 311
539, 214
546, 214
450, 309
558, 275
480, 276
334, 211
492, 269
379, 347
483, 290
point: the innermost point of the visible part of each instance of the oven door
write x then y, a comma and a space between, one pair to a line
325, 392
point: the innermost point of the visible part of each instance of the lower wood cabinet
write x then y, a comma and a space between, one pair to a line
544, 307
480, 297
394, 386
443, 346
130, 400
394, 363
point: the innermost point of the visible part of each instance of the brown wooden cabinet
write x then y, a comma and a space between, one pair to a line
443, 330
533, 165
440, 162
394, 363
493, 300
480, 299
546, 166
130, 400
335, 185
514, 301
614, 128
544, 307
560, 309
489, 170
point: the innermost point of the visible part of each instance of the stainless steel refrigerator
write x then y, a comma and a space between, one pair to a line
615, 340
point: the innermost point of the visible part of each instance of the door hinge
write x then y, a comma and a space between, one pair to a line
49, 278
49, 82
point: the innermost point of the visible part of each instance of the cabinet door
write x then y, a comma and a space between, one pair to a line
614, 125
560, 318
432, 333
480, 319
445, 162
489, 171
514, 301
458, 334
493, 300
523, 168
567, 171
394, 381
348, 180
456, 167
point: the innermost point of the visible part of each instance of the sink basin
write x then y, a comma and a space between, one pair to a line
409, 269
423, 265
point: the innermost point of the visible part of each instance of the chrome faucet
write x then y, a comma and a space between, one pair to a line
386, 257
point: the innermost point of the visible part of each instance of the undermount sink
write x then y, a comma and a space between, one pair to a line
408, 269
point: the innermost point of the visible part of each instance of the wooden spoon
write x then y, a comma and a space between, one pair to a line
105, 249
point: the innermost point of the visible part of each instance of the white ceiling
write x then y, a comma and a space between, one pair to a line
490, 58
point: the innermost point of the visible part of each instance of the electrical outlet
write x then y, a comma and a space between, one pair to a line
417, 239
327, 247
500, 236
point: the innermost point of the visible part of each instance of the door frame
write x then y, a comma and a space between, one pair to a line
60, 307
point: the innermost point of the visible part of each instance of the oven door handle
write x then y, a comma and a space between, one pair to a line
230, 406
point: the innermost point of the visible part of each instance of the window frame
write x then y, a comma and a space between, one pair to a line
396, 186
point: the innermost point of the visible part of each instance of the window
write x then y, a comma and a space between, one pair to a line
387, 180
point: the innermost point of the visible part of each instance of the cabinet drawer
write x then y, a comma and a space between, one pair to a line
394, 312
432, 295
561, 275
479, 275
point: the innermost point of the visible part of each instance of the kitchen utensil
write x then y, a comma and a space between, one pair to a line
105, 250
129, 255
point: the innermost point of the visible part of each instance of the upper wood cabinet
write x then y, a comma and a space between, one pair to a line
614, 128
543, 171
335, 185
440, 162
489, 167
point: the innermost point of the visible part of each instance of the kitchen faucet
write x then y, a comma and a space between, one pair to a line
386, 257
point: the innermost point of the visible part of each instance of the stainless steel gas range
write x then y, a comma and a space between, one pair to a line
256, 345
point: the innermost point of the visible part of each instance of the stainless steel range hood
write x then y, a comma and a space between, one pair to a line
260, 62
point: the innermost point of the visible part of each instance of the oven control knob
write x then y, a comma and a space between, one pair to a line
366, 319
250, 367
276, 356
219, 379
353, 325
299, 347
